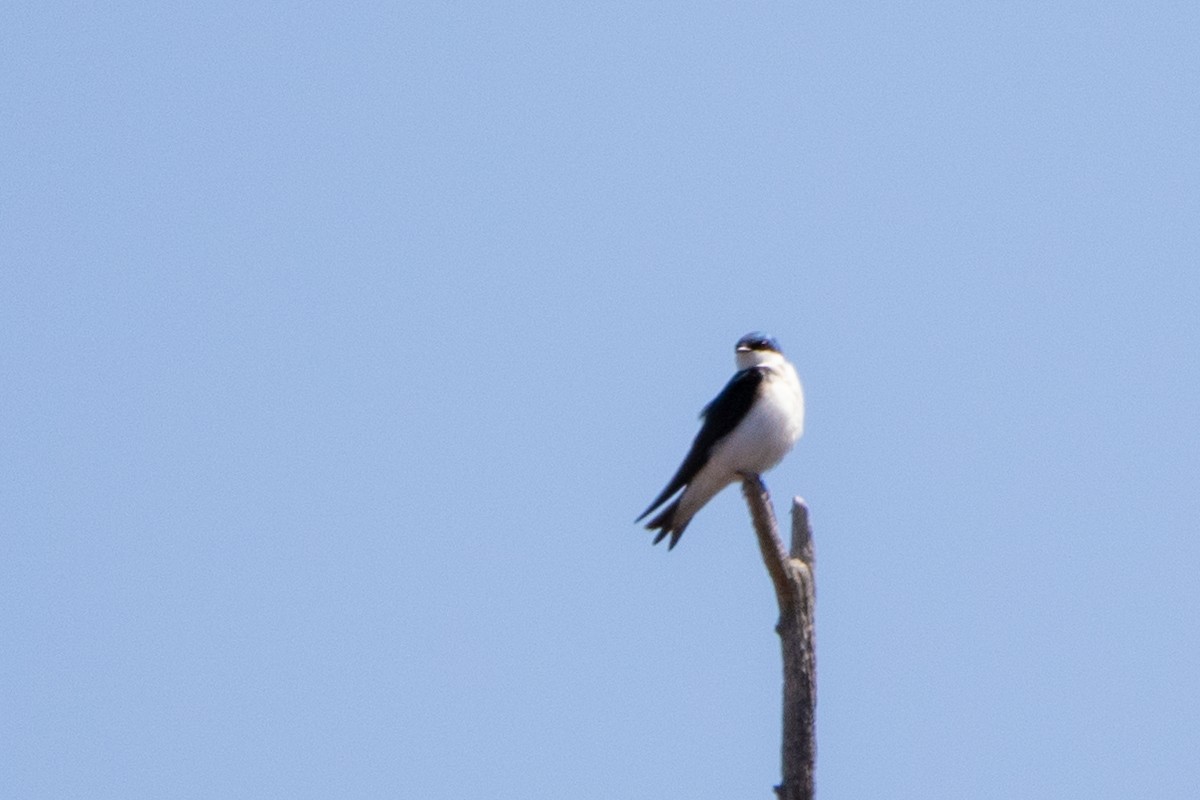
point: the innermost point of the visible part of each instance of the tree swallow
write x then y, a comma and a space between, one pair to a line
748, 428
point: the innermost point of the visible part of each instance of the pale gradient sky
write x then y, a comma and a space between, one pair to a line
341, 345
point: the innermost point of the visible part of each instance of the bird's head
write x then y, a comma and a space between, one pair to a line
756, 349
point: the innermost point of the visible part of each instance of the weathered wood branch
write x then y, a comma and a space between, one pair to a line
792, 576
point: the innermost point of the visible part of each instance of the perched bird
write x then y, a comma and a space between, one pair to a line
748, 428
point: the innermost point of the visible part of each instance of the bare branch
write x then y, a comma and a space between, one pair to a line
763, 515
792, 576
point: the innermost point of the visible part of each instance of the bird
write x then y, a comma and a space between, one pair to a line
747, 429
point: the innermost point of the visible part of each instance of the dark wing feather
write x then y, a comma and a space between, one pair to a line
720, 416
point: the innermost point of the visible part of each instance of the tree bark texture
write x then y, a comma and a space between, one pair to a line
792, 576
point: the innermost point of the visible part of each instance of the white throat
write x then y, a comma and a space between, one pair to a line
758, 358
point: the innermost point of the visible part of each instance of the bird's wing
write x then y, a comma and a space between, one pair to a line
720, 417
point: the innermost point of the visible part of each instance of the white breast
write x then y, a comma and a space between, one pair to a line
772, 427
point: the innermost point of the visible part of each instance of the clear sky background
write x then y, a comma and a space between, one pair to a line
340, 346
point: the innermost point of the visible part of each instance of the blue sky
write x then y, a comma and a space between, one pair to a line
341, 345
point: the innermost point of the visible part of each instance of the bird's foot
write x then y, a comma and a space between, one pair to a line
755, 478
